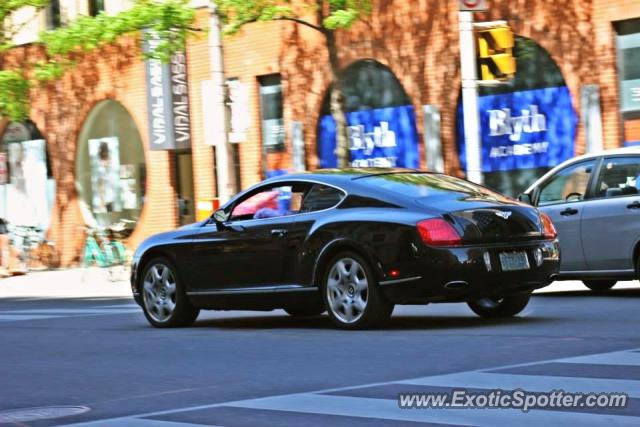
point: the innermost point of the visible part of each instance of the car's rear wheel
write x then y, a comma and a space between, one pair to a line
164, 301
497, 307
599, 285
351, 294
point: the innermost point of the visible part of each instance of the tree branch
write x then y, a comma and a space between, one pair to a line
301, 22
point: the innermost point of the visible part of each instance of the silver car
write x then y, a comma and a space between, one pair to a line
594, 202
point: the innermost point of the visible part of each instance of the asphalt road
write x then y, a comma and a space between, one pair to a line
268, 369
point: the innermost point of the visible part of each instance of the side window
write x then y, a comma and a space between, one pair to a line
270, 202
321, 197
619, 176
568, 185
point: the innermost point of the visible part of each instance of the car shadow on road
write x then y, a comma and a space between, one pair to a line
400, 322
616, 293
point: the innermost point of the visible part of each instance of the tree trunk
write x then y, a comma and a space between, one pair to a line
337, 105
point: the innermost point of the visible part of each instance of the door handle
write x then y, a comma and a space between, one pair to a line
569, 212
279, 233
634, 205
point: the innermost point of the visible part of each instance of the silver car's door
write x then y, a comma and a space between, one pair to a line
562, 197
611, 221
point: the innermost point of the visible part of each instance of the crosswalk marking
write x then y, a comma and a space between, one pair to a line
625, 358
493, 380
388, 410
320, 402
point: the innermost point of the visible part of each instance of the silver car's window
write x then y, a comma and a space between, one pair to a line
568, 185
619, 176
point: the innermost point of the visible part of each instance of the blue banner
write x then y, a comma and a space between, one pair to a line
523, 130
384, 137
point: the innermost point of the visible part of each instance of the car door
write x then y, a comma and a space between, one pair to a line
563, 197
611, 221
318, 200
250, 249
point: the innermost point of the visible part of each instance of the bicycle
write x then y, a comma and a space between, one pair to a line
103, 249
35, 251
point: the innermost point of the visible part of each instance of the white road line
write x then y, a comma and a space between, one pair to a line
16, 317
388, 409
138, 422
86, 311
625, 358
491, 381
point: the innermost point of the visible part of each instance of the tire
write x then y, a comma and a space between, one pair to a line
599, 285
164, 301
351, 295
305, 311
495, 308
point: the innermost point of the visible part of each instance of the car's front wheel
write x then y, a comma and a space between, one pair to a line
351, 294
497, 307
599, 285
164, 301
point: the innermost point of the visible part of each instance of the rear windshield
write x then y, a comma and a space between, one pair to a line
419, 185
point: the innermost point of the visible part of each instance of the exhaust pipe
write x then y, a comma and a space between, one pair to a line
456, 285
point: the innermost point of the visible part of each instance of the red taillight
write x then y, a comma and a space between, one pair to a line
438, 232
548, 229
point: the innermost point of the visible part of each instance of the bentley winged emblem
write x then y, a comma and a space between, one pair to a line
504, 214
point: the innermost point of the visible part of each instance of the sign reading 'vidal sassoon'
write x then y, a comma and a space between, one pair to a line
168, 101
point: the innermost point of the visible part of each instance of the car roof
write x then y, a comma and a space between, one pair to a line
633, 150
613, 151
337, 175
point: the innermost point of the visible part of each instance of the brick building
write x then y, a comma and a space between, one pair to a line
401, 65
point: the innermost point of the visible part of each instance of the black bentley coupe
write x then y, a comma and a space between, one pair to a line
353, 243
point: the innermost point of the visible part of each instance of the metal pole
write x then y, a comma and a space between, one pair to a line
225, 175
469, 75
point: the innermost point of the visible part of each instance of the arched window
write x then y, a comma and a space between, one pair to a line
527, 126
110, 166
380, 116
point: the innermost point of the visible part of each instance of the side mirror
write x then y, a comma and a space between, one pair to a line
220, 216
525, 198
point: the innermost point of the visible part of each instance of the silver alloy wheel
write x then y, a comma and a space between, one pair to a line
159, 292
347, 290
490, 303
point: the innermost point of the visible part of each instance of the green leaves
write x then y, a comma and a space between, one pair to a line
171, 20
14, 95
336, 14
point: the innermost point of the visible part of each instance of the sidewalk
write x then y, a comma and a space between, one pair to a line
64, 284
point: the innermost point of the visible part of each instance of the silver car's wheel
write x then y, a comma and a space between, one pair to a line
164, 301
347, 290
159, 292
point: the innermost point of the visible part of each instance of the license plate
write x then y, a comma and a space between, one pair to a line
513, 261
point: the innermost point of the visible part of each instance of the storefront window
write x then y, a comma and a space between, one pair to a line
628, 41
527, 126
27, 188
110, 166
380, 116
